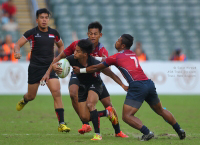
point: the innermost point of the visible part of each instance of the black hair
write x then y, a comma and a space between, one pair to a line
127, 39
95, 24
86, 45
40, 11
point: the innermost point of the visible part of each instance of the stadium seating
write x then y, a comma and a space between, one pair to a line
161, 26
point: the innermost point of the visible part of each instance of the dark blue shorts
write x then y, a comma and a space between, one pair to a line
139, 91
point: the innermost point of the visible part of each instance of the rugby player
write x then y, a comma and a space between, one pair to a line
42, 39
140, 87
94, 34
90, 86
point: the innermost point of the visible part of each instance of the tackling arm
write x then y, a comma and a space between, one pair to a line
109, 73
90, 69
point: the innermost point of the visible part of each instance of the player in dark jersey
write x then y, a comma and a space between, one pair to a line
42, 39
94, 34
90, 86
140, 87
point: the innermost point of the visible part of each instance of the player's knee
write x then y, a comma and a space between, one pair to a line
90, 106
56, 93
159, 110
124, 117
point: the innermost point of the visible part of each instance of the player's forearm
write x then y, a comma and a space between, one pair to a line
61, 49
16, 48
92, 69
109, 73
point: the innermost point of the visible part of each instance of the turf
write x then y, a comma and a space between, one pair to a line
37, 124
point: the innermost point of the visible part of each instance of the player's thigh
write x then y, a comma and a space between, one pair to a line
136, 95
54, 85
152, 97
74, 86
73, 91
83, 111
32, 90
92, 100
128, 111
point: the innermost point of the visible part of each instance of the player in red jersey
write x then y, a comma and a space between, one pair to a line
94, 34
140, 87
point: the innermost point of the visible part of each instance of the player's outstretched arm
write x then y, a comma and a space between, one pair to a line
109, 73
90, 69
17, 47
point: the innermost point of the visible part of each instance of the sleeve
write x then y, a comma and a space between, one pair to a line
70, 49
103, 51
111, 60
57, 37
28, 34
70, 59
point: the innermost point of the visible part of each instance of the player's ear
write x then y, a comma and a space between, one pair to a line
36, 20
101, 34
123, 46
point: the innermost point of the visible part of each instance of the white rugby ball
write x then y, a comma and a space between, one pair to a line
65, 65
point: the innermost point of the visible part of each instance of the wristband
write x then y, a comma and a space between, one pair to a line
83, 70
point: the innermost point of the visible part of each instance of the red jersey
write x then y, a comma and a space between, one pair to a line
127, 62
100, 50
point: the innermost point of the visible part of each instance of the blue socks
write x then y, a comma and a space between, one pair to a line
144, 130
176, 127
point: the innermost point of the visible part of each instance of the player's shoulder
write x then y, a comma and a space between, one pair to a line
32, 30
101, 46
51, 30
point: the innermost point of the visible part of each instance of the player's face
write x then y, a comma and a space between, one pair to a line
94, 35
43, 20
118, 43
78, 53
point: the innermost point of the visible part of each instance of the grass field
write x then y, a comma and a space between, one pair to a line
37, 124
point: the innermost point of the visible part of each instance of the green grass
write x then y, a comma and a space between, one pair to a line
37, 124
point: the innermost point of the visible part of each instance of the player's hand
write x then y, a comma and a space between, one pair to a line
125, 87
76, 69
17, 55
56, 67
103, 57
44, 79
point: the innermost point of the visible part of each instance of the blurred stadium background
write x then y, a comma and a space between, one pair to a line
161, 27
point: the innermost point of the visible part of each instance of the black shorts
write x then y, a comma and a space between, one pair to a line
74, 80
35, 74
83, 90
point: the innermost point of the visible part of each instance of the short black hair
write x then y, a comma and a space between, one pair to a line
40, 11
127, 39
86, 45
95, 24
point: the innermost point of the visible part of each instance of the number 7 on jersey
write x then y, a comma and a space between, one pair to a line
135, 59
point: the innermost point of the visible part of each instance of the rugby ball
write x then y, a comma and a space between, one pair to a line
65, 65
